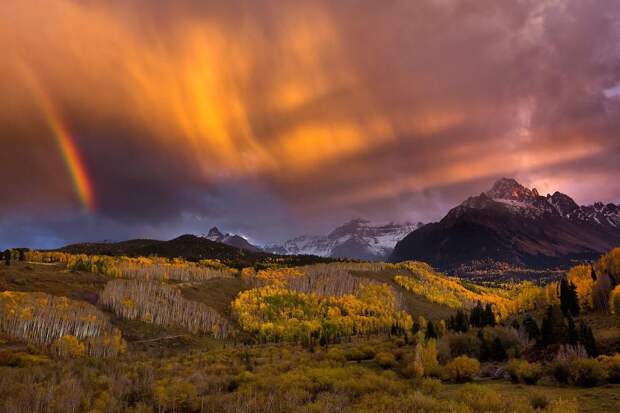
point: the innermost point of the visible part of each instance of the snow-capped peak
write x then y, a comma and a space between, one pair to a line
526, 202
358, 239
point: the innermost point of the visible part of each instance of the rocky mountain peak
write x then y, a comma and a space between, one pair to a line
348, 228
513, 224
214, 234
510, 189
564, 204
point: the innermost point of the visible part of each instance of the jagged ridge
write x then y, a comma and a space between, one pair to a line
356, 239
514, 224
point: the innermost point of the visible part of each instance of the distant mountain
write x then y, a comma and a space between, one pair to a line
230, 239
357, 239
186, 246
516, 225
192, 248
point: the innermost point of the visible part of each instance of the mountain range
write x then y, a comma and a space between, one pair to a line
516, 225
508, 224
357, 239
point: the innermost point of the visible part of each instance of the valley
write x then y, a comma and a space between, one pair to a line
200, 336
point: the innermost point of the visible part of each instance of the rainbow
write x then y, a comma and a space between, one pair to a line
71, 155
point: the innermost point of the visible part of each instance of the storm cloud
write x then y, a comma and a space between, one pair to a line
272, 118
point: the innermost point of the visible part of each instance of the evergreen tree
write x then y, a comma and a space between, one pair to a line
22, 255
7, 257
515, 324
569, 302
573, 304
587, 339
485, 350
572, 336
564, 296
476, 316
553, 329
498, 351
459, 322
531, 327
488, 316
430, 330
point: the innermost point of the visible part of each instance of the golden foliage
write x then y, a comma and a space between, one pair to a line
68, 346
462, 369
610, 264
46, 320
421, 279
424, 363
614, 301
141, 268
277, 313
581, 277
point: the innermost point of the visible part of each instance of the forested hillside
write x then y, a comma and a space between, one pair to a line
145, 334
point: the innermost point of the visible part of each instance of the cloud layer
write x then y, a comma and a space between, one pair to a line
272, 117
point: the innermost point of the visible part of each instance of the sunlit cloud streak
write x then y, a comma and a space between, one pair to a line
324, 106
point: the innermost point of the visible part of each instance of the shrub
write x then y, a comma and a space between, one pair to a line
336, 354
463, 344
462, 369
481, 398
414, 370
611, 364
538, 400
359, 353
523, 371
561, 371
385, 359
501, 340
587, 372
429, 385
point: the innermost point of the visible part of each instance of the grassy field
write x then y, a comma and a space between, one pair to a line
604, 399
52, 279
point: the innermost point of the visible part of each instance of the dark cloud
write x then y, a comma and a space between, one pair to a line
272, 118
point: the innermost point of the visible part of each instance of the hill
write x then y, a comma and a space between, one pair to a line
515, 225
189, 247
114, 333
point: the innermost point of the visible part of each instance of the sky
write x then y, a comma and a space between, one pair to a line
273, 118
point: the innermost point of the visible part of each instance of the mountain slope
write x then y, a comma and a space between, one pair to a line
513, 224
356, 239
